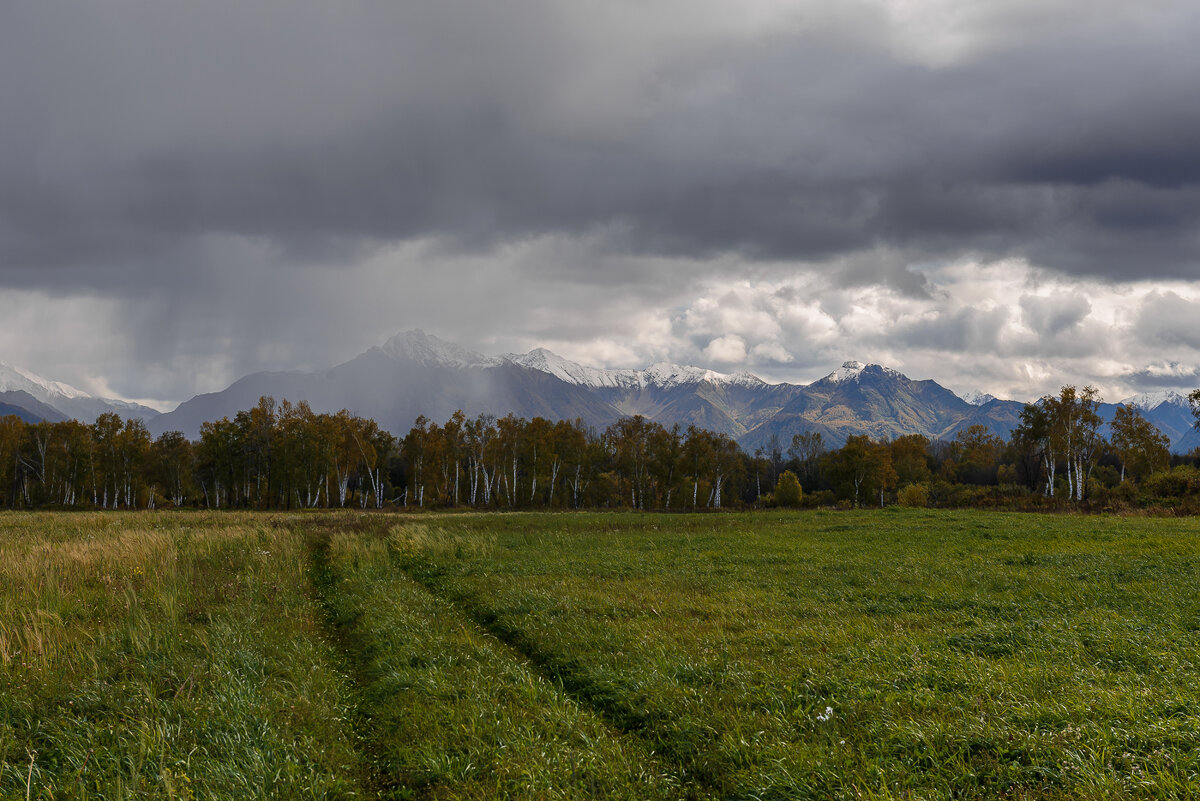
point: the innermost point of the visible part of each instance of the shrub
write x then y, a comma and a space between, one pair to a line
914, 495
819, 499
1179, 482
787, 490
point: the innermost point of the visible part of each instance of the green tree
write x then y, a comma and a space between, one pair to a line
1075, 422
416, 449
787, 489
862, 469
105, 462
806, 450
12, 435
1033, 445
172, 466
630, 441
578, 455
910, 459
1139, 445
977, 452
217, 456
67, 461
258, 430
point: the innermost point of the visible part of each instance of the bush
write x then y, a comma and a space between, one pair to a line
787, 490
819, 499
914, 495
1179, 482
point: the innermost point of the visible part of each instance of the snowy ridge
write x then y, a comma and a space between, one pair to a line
745, 379
16, 378
667, 375
572, 372
66, 399
661, 374
1152, 400
429, 350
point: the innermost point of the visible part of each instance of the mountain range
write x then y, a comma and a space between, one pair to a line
414, 374
33, 398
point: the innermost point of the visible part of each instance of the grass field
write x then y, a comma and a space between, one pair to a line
883, 654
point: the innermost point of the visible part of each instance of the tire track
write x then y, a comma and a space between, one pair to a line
362, 651
583, 689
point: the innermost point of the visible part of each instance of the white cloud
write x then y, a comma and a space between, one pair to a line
726, 350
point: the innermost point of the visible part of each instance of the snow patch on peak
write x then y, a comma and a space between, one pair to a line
977, 397
849, 371
1152, 400
853, 370
430, 351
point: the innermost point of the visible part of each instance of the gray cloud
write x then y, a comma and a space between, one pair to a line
308, 124
967, 329
1167, 319
1169, 376
246, 173
1050, 316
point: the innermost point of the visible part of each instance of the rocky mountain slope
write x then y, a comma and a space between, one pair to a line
415, 374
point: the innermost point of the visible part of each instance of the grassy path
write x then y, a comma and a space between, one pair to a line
632, 716
450, 712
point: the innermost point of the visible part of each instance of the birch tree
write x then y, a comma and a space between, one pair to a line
1140, 446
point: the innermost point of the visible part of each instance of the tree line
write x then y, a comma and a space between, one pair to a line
285, 456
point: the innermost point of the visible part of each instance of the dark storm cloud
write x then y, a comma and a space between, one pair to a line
134, 128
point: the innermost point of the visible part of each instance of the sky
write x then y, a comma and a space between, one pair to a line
1000, 195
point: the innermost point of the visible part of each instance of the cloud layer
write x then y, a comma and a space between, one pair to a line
215, 188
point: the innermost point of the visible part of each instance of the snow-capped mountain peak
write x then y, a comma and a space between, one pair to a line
745, 379
1152, 400
849, 371
426, 349
66, 399
853, 370
17, 378
977, 397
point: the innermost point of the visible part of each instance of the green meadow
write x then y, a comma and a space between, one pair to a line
887, 654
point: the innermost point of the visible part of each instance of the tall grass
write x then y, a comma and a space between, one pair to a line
165, 656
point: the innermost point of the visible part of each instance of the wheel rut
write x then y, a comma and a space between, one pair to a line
584, 690
506, 645
339, 628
